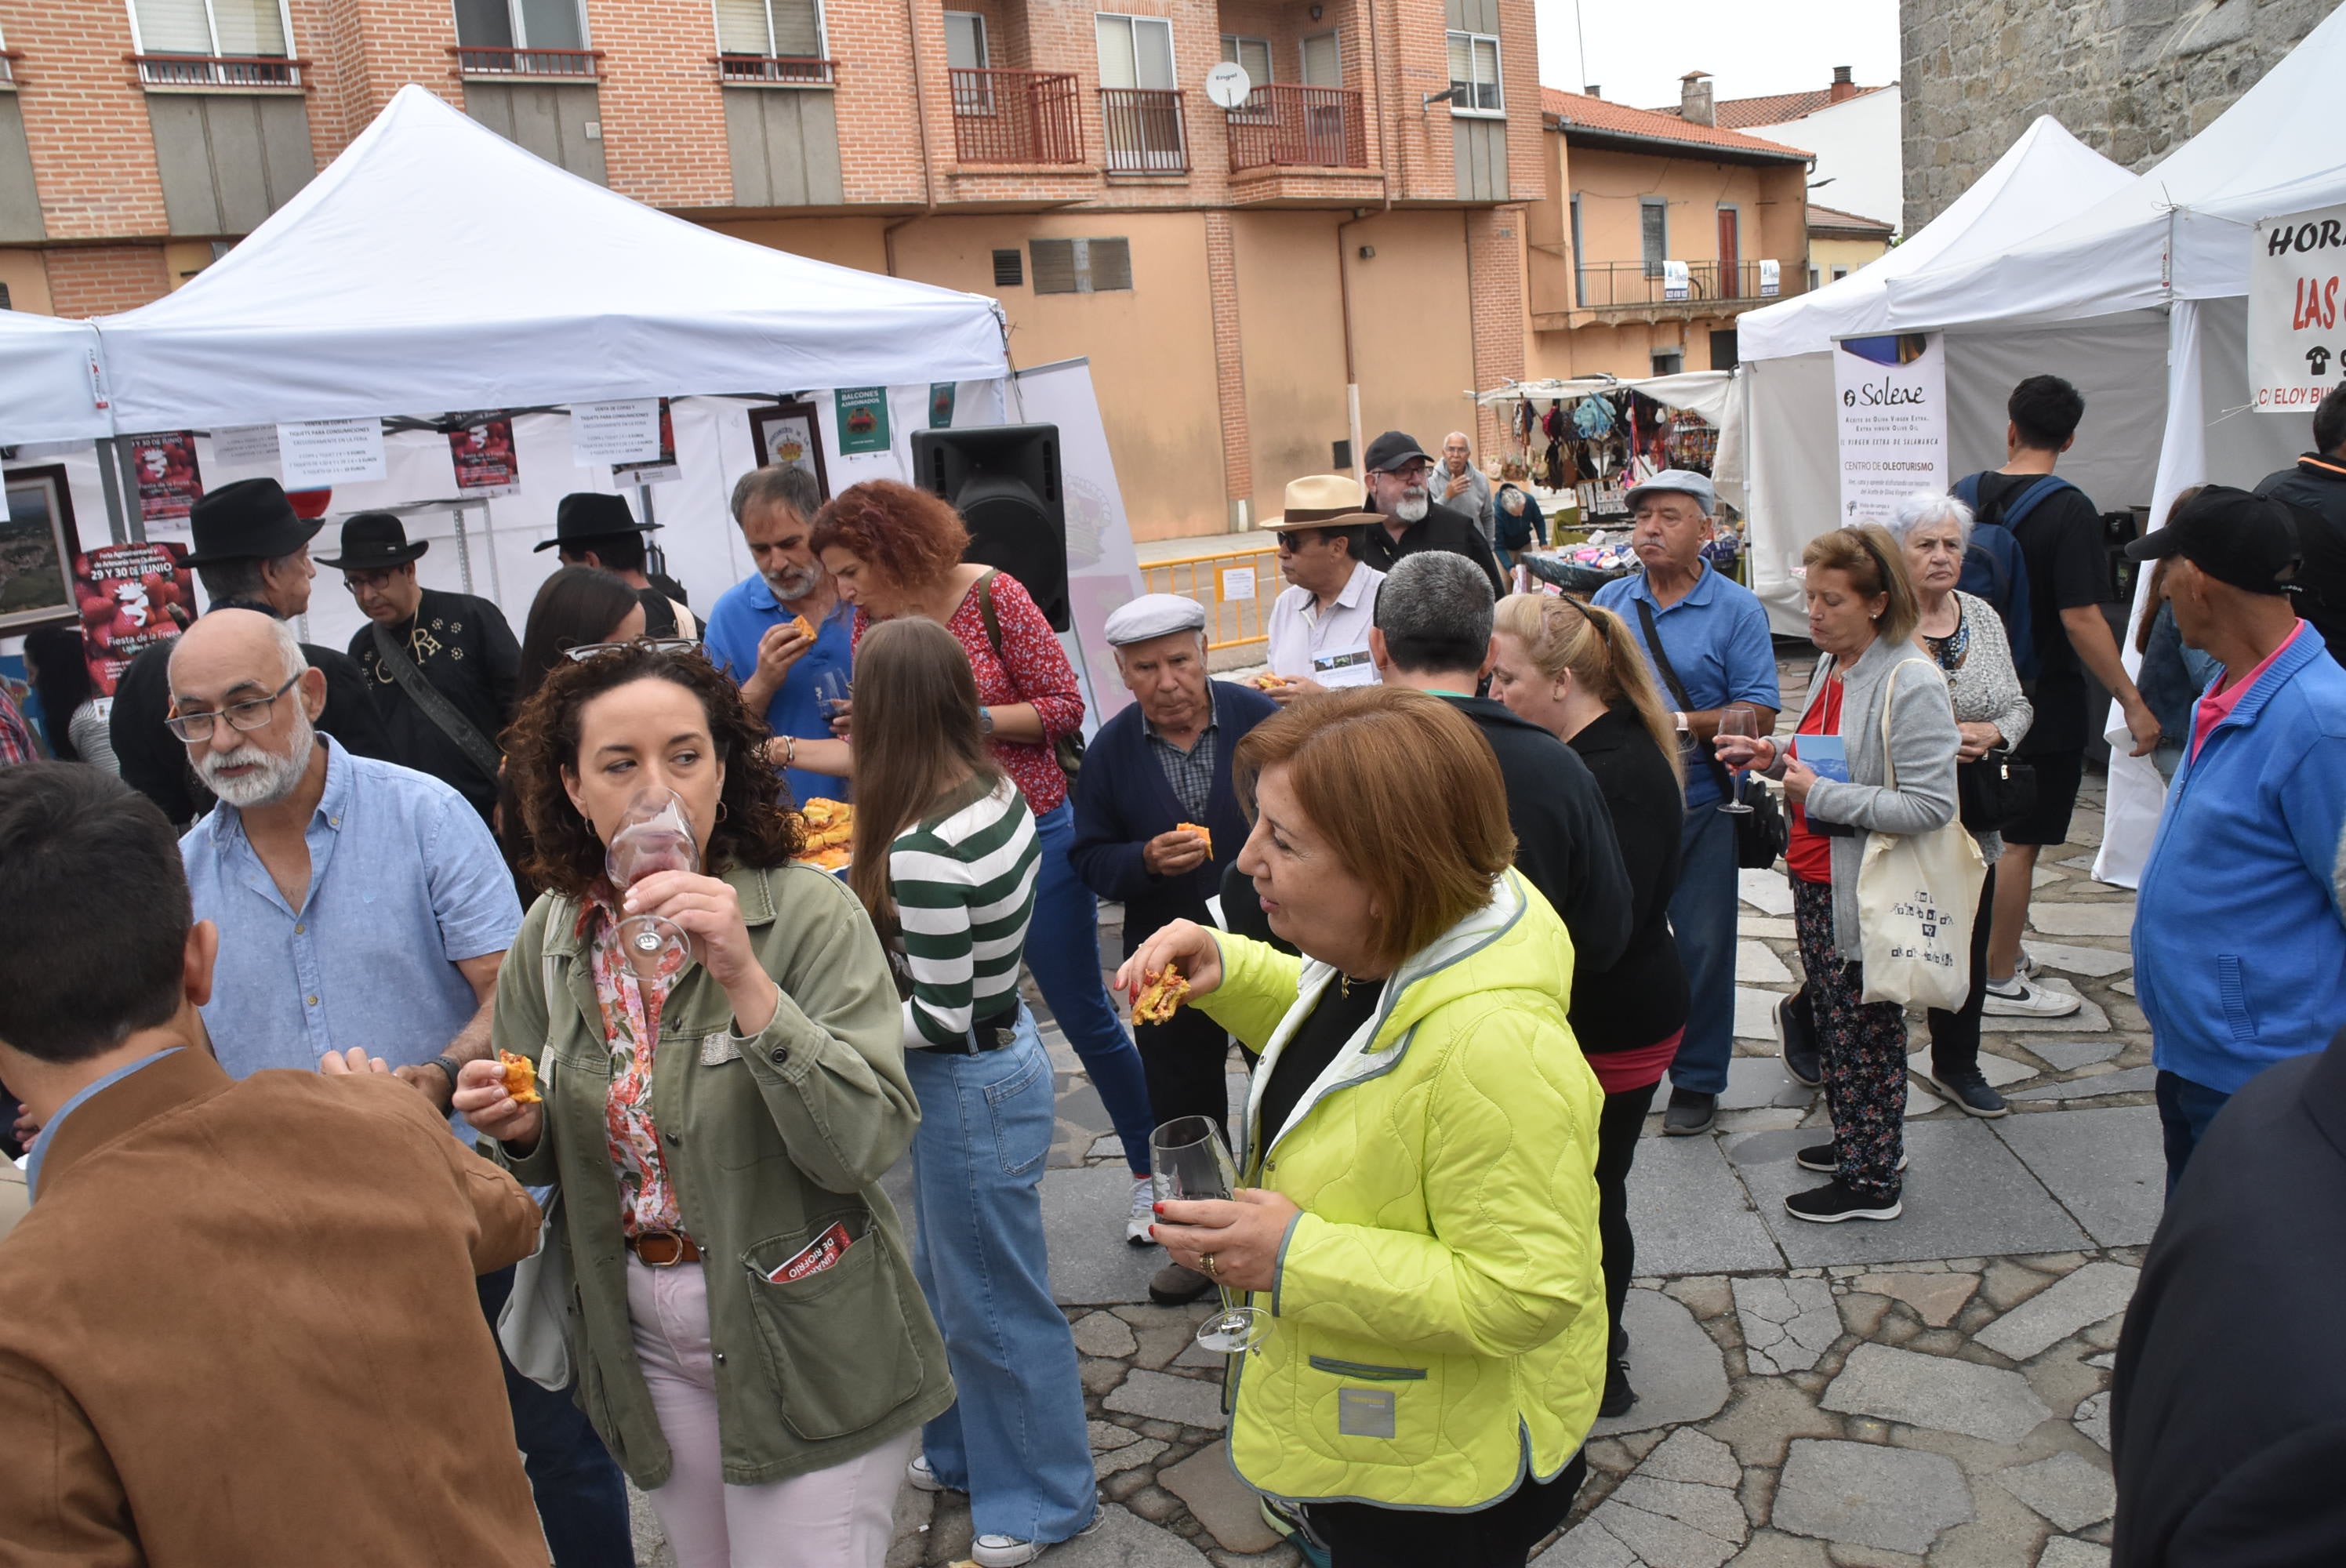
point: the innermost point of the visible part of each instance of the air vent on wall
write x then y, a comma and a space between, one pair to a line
1009, 269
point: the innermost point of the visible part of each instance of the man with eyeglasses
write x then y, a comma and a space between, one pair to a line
442, 667
251, 553
1398, 470
363, 913
1318, 626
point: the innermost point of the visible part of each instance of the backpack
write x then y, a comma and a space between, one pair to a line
1993, 568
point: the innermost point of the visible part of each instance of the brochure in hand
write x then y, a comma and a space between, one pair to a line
1824, 754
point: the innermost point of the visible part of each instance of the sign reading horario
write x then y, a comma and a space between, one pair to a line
2297, 310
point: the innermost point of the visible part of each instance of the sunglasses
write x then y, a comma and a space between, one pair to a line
586, 651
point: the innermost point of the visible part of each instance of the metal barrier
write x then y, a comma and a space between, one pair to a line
1231, 620
1016, 116
1143, 131
1282, 124
495, 60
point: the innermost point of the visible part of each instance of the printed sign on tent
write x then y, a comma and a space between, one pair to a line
132, 597
245, 446
862, 420
658, 470
941, 405
321, 452
169, 480
2297, 294
1890, 394
623, 430
481, 449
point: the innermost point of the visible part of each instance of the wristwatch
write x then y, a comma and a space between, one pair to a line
447, 1064
985, 719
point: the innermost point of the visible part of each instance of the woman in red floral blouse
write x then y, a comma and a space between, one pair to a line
894, 551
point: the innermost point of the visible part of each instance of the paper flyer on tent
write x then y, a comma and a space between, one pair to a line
169, 480
319, 452
657, 470
625, 431
131, 596
1890, 394
245, 446
481, 450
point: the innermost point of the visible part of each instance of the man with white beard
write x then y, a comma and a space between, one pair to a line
1398, 469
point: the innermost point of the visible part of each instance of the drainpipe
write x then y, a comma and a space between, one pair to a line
920, 118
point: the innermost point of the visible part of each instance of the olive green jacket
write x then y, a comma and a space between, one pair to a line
769, 1142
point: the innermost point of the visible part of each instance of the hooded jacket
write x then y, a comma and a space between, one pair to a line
1438, 1309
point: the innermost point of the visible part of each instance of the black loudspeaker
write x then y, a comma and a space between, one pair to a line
1003, 480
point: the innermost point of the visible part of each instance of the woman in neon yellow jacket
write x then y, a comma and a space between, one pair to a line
1420, 1215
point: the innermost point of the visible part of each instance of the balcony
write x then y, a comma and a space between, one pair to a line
1284, 126
775, 71
496, 62
1617, 291
229, 72
1016, 116
1142, 129
8, 58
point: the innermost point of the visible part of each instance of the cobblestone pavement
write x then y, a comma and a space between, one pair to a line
1928, 1390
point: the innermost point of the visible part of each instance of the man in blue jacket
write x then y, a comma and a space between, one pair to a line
2240, 928
1154, 772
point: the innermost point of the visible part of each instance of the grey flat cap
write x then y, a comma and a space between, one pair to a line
1685, 481
1155, 615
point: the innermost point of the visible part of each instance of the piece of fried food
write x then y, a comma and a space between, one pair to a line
804, 626
1267, 681
521, 1078
1204, 833
833, 859
1160, 993
829, 825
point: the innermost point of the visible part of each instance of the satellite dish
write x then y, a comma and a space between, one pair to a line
1228, 85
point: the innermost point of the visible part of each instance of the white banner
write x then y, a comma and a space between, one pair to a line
321, 452
627, 431
1771, 278
2297, 343
1676, 281
1890, 394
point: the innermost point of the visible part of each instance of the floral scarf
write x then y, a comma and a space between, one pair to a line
631, 1010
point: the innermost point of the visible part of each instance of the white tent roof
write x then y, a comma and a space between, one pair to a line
2045, 177
48, 380
435, 265
2178, 231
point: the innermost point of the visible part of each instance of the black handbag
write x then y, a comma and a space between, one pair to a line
1762, 834
1994, 791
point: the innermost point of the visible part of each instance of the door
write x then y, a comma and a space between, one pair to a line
1730, 253
1140, 118
1323, 61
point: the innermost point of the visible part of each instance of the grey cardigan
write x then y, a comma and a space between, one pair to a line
1923, 741
1986, 689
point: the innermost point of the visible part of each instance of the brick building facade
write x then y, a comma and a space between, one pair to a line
1239, 279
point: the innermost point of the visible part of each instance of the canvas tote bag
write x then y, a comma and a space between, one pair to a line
1917, 894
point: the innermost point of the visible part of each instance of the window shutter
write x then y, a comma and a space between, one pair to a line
966, 41
1462, 58
1110, 264
1323, 61
798, 28
249, 27
1487, 73
1054, 265
1009, 269
741, 27
174, 28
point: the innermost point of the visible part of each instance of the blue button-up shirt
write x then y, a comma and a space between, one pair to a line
730, 637
1717, 637
404, 881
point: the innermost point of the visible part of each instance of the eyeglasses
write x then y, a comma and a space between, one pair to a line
586, 651
360, 581
245, 716
1417, 468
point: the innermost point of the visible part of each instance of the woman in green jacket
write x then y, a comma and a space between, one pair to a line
1420, 1217
746, 1334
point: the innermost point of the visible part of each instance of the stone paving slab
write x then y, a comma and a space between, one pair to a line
1679, 1371
1766, 892
2067, 1055
1162, 1397
2105, 1165
1937, 1392
1083, 1216
1757, 963
2070, 1491
1228, 1507
1689, 1214
1755, 1012
2063, 1552
2115, 917
2126, 1081
1866, 1494
1126, 1540
1753, 1081
2096, 963
2097, 1291
1787, 1324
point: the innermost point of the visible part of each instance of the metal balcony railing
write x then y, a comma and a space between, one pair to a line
484, 60
776, 71
1284, 123
1143, 131
1615, 285
1016, 116
217, 70
8, 58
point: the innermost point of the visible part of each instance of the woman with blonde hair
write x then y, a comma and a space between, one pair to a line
1575, 670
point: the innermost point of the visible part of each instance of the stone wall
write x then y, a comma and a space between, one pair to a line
2131, 79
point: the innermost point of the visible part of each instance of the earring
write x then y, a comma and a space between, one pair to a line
721, 810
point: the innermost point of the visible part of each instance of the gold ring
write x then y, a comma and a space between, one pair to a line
1206, 1263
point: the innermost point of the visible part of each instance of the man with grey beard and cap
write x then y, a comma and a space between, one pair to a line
1399, 474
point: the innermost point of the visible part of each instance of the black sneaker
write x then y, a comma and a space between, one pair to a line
1796, 1026
1970, 1092
1833, 1203
1618, 1395
1690, 1112
1826, 1157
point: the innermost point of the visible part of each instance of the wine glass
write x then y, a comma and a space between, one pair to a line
1739, 718
1189, 1162
655, 834
833, 688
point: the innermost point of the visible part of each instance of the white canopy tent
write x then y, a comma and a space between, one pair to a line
2159, 271
1786, 349
51, 388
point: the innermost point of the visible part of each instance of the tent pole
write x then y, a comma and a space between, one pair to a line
463, 553
112, 480
132, 510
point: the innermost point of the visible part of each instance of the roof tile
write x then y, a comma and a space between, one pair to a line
1603, 115
1772, 108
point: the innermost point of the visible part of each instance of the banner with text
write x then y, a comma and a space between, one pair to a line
1891, 396
2297, 345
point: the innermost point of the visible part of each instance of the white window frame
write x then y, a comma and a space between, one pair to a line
1233, 47
585, 31
212, 23
1172, 43
1495, 111
822, 29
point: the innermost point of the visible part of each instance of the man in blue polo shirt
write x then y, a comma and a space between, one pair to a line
753, 633
1705, 640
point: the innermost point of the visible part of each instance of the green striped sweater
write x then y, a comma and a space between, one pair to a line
963, 880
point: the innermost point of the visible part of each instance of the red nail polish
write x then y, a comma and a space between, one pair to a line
1156, 1209
1152, 1232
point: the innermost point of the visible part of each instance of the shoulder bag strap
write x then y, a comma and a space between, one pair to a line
1677, 689
436, 708
985, 613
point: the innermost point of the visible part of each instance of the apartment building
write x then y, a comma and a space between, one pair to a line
1238, 278
1654, 232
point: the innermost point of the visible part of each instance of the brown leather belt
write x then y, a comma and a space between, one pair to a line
664, 1248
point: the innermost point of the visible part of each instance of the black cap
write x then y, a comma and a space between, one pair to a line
373, 540
587, 515
2235, 537
249, 520
1390, 451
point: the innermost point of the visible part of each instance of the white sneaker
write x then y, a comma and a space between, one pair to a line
1137, 1224
922, 1477
2021, 997
2025, 965
1009, 1552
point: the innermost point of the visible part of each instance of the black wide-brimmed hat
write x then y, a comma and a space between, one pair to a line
373, 540
589, 514
249, 520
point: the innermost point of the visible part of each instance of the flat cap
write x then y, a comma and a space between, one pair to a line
1155, 615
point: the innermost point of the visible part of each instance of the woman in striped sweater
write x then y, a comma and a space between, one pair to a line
945, 860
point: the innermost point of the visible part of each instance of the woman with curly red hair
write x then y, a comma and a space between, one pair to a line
893, 551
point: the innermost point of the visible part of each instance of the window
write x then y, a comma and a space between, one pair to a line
1653, 233
772, 29
1474, 66
1725, 353
1669, 363
1136, 52
1840, 272
228, 27
964, 40
1579, 273
1009, 269
1323, 61
520, 24
1812, 280
1254, 53
1081, 266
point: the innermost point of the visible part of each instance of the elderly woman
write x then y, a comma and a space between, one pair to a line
893, 551
1862, 615
1965, 635
1421, 1223
747, 1333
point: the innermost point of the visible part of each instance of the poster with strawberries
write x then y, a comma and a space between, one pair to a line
481, 448
169, 480
131, 596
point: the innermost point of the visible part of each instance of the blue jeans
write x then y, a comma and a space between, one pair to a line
2185, 1109
1063, 949
1702, 917
582, 1500
1015, 1439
